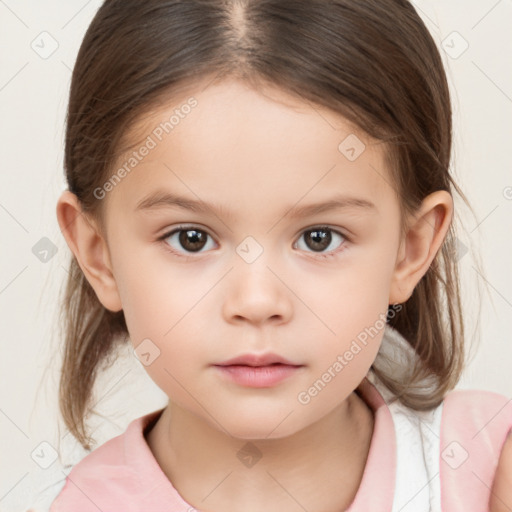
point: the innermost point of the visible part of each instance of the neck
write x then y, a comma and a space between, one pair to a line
318, 468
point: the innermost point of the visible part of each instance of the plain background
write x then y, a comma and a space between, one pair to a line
33, 99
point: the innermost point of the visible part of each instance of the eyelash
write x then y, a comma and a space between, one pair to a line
189, 256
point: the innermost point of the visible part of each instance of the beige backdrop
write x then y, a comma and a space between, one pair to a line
39, 41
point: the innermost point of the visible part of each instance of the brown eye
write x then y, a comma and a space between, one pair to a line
319, 239
189, 239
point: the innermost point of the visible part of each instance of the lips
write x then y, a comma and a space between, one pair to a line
257, 360
258, 370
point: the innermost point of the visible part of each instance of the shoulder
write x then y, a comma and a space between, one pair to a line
478, 415
112, 474
475, 425
455, 447
89, 478
492, 414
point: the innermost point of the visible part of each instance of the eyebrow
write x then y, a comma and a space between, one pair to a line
164, 199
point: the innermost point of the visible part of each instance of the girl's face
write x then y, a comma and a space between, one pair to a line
289, 241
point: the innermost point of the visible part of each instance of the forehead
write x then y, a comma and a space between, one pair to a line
245, 147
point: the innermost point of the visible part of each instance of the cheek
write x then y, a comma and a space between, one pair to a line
165, 316
351, 307
349, 298
155, 293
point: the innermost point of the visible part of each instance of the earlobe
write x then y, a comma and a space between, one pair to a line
89, 248
427, 229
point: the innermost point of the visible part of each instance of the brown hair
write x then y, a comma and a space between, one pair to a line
372, 61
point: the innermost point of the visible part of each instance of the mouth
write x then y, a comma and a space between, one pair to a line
258, 376
258, 360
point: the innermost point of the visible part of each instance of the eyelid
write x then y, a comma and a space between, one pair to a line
181, 227
184, 227
341, 231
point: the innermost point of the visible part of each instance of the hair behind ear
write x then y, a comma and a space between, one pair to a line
433, 311
91, 333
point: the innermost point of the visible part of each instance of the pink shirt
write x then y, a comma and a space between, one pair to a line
442, 460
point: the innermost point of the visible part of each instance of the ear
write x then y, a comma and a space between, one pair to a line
90, 249
426, 231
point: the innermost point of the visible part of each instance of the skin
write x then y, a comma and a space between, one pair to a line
257, 153
501, 491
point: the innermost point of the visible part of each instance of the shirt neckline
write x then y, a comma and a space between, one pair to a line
376, 489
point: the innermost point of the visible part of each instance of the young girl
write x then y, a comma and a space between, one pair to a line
260, 204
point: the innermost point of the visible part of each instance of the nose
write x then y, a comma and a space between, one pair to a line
257, 294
